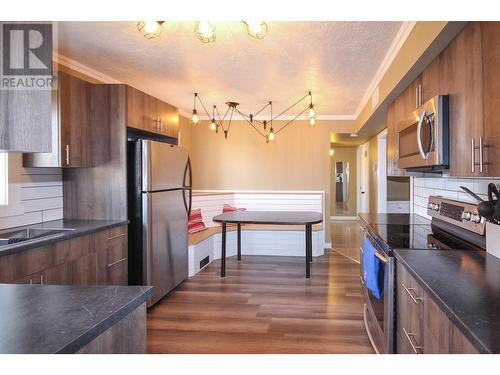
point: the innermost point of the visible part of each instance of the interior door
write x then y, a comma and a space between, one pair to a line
364, 171
166, 241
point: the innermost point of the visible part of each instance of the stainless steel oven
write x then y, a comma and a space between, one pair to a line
423, 138
379, 309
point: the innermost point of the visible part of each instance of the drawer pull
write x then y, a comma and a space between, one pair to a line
115, 263
416, 349
117, 236
408, 290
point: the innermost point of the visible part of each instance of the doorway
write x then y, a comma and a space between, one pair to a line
363, 196
343, 183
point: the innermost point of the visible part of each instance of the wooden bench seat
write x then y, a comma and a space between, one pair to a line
198, 237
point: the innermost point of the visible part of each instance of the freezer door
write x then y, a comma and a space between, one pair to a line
164, 166
165, 241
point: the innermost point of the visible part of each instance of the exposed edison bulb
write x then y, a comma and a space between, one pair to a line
312, 121
271, 136
151, 26
150, 29
205, 31
195, 118
311, 112
213, 125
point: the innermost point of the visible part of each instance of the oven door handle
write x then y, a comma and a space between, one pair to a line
424, 154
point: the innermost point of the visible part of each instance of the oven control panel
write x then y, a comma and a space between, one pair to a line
462, 214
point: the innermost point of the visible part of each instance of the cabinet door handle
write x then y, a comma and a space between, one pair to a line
41, 279
414, 347
115, 263
67, 154
31, 281
408, 290
117, 236
482, 146
472, 156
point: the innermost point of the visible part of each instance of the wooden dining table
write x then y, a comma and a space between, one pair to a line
303, 218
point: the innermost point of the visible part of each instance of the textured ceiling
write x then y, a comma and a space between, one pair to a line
336, 60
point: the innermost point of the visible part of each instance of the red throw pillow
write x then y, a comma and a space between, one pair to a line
229, 208
195, 223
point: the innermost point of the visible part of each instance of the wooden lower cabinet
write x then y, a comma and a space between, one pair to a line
96, 259
112, 253
128, 336
422, 327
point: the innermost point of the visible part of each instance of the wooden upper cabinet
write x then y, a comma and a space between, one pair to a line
75, 98
430, 81
148, 113
392, 144
71, 111
463, 80
151, 118
169, 119
135, 108
490, 32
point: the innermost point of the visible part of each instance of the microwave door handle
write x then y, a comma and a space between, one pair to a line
419, 135
431, 143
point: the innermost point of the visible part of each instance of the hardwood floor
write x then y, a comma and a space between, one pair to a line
264, 305
346, 238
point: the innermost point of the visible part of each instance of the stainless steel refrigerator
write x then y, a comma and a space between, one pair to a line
159, 187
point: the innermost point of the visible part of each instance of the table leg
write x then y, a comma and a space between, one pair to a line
239, 241
308, 250
223, 252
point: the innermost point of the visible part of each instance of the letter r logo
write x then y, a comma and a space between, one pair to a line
27, 49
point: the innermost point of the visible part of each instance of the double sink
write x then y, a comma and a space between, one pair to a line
29, 234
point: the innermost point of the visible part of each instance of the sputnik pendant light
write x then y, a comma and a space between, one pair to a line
260, 127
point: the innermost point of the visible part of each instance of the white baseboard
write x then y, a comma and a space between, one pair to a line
346, 218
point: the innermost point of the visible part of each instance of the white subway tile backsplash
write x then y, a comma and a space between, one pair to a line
34, 195
435, 183
448, 187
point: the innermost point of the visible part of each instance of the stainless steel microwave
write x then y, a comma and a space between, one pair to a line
424, 137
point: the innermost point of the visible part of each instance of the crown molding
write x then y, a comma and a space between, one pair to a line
80, 68
395, 47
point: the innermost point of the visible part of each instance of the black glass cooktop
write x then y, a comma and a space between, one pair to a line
404, 236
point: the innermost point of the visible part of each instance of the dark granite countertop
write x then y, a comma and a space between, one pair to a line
414, 219
466, 284
79, 228
39, 319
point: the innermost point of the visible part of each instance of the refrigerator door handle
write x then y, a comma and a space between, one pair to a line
187, 205
187, 172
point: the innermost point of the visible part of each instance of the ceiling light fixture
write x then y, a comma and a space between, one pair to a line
205, 31
150, 29
259, 126
354, 135
256, 29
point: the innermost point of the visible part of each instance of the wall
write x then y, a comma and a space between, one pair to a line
344, 154
34, 194
398, 188
298, 159
373, 178
448, 187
